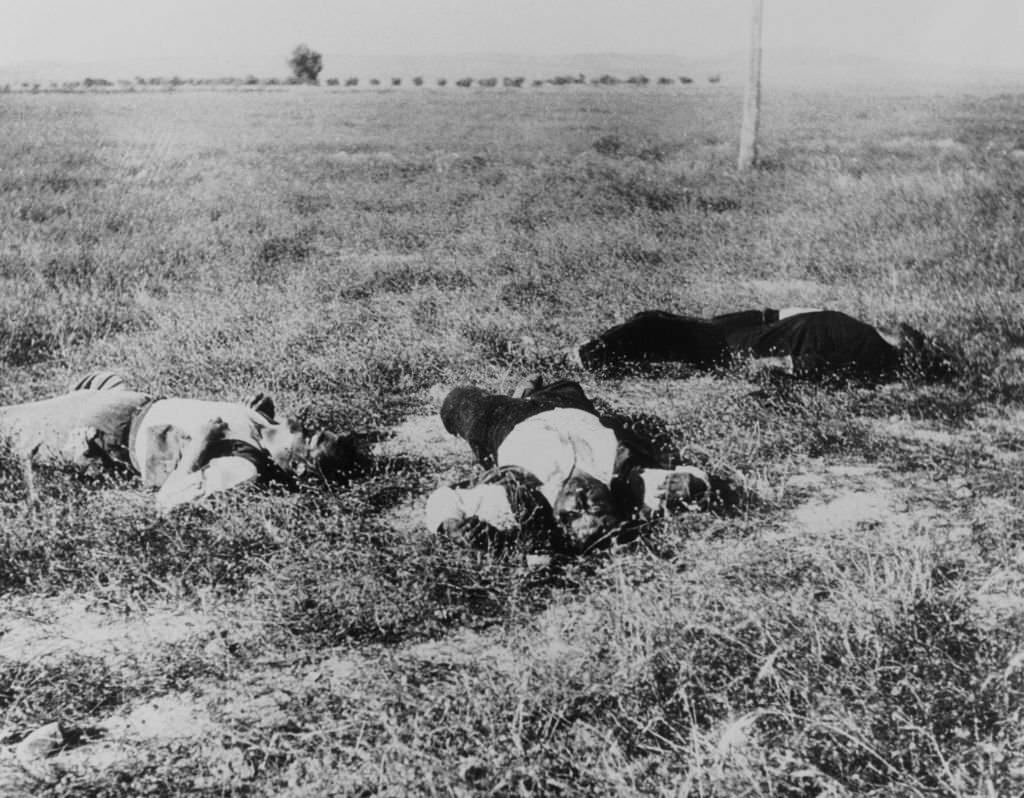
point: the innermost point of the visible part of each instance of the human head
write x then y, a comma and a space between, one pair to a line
586, 512
332, 456
919, 354
590, 355
286, 443
462, 408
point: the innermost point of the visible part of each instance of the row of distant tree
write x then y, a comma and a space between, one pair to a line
307, 64
352, 82
519, 82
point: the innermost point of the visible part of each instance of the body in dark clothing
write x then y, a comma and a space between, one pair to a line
820, 343
736, 326
817, 343
656, 336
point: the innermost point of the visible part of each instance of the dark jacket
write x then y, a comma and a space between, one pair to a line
654, 336
822, 342
738, 326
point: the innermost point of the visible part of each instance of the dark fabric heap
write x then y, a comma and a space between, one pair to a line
656, 336
821, 343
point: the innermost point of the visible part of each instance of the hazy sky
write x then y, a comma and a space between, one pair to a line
964, 32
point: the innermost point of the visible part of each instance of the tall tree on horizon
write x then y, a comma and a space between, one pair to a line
306, 64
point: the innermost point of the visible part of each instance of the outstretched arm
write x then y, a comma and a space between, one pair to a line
671, 491
219, 474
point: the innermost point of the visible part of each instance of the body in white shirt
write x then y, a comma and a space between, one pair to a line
556, 444
189, 448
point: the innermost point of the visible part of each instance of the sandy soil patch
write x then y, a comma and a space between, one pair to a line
112, 744
167, 717
847, 497
43, 629
846, 510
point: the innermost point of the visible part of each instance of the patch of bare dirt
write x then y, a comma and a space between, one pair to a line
38, 629
941, 504
846, 510
115, 743
167, 717
843, 498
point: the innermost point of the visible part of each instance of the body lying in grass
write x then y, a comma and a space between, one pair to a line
186, 448
804, 342
562, 477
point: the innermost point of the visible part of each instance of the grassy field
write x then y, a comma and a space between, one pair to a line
855, 628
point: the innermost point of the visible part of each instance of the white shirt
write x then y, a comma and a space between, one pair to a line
552, 446
487, 502
173, 434
556, 444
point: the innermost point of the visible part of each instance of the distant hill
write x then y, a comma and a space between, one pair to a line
785, 68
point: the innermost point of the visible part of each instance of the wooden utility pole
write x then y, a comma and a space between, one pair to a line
752, 96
